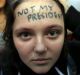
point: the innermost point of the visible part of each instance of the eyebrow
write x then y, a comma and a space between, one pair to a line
55, 26
22, 29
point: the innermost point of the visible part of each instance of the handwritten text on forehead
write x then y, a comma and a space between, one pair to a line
41, 12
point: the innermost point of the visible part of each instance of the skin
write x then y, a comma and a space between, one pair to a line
38, 42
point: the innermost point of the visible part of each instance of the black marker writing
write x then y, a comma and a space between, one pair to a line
24, 11
39, 16
32, 9
44, 11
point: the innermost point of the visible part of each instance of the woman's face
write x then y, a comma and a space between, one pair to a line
38, 34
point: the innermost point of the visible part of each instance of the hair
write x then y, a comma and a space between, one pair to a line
10, 55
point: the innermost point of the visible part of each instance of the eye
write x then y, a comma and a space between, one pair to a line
53, 33
25, 35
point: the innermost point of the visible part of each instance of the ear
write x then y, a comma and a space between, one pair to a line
2, 3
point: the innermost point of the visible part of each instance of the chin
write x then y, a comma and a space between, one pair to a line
41, 70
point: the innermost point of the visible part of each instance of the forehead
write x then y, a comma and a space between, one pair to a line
34, 7
36, 3
37, 11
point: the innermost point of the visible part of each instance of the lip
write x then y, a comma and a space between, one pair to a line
41, 61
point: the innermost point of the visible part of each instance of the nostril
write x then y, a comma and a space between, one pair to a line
40, 48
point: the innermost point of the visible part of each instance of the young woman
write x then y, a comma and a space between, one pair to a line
35, 39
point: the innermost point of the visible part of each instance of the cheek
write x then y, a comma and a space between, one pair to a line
55, 50
58, 45
55, 46
24, 48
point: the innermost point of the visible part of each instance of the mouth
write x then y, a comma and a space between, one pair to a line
41, 61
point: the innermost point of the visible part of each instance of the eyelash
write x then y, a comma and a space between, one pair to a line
50, 33
25, 35
53, 34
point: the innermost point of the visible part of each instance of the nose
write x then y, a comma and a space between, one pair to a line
40, 47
